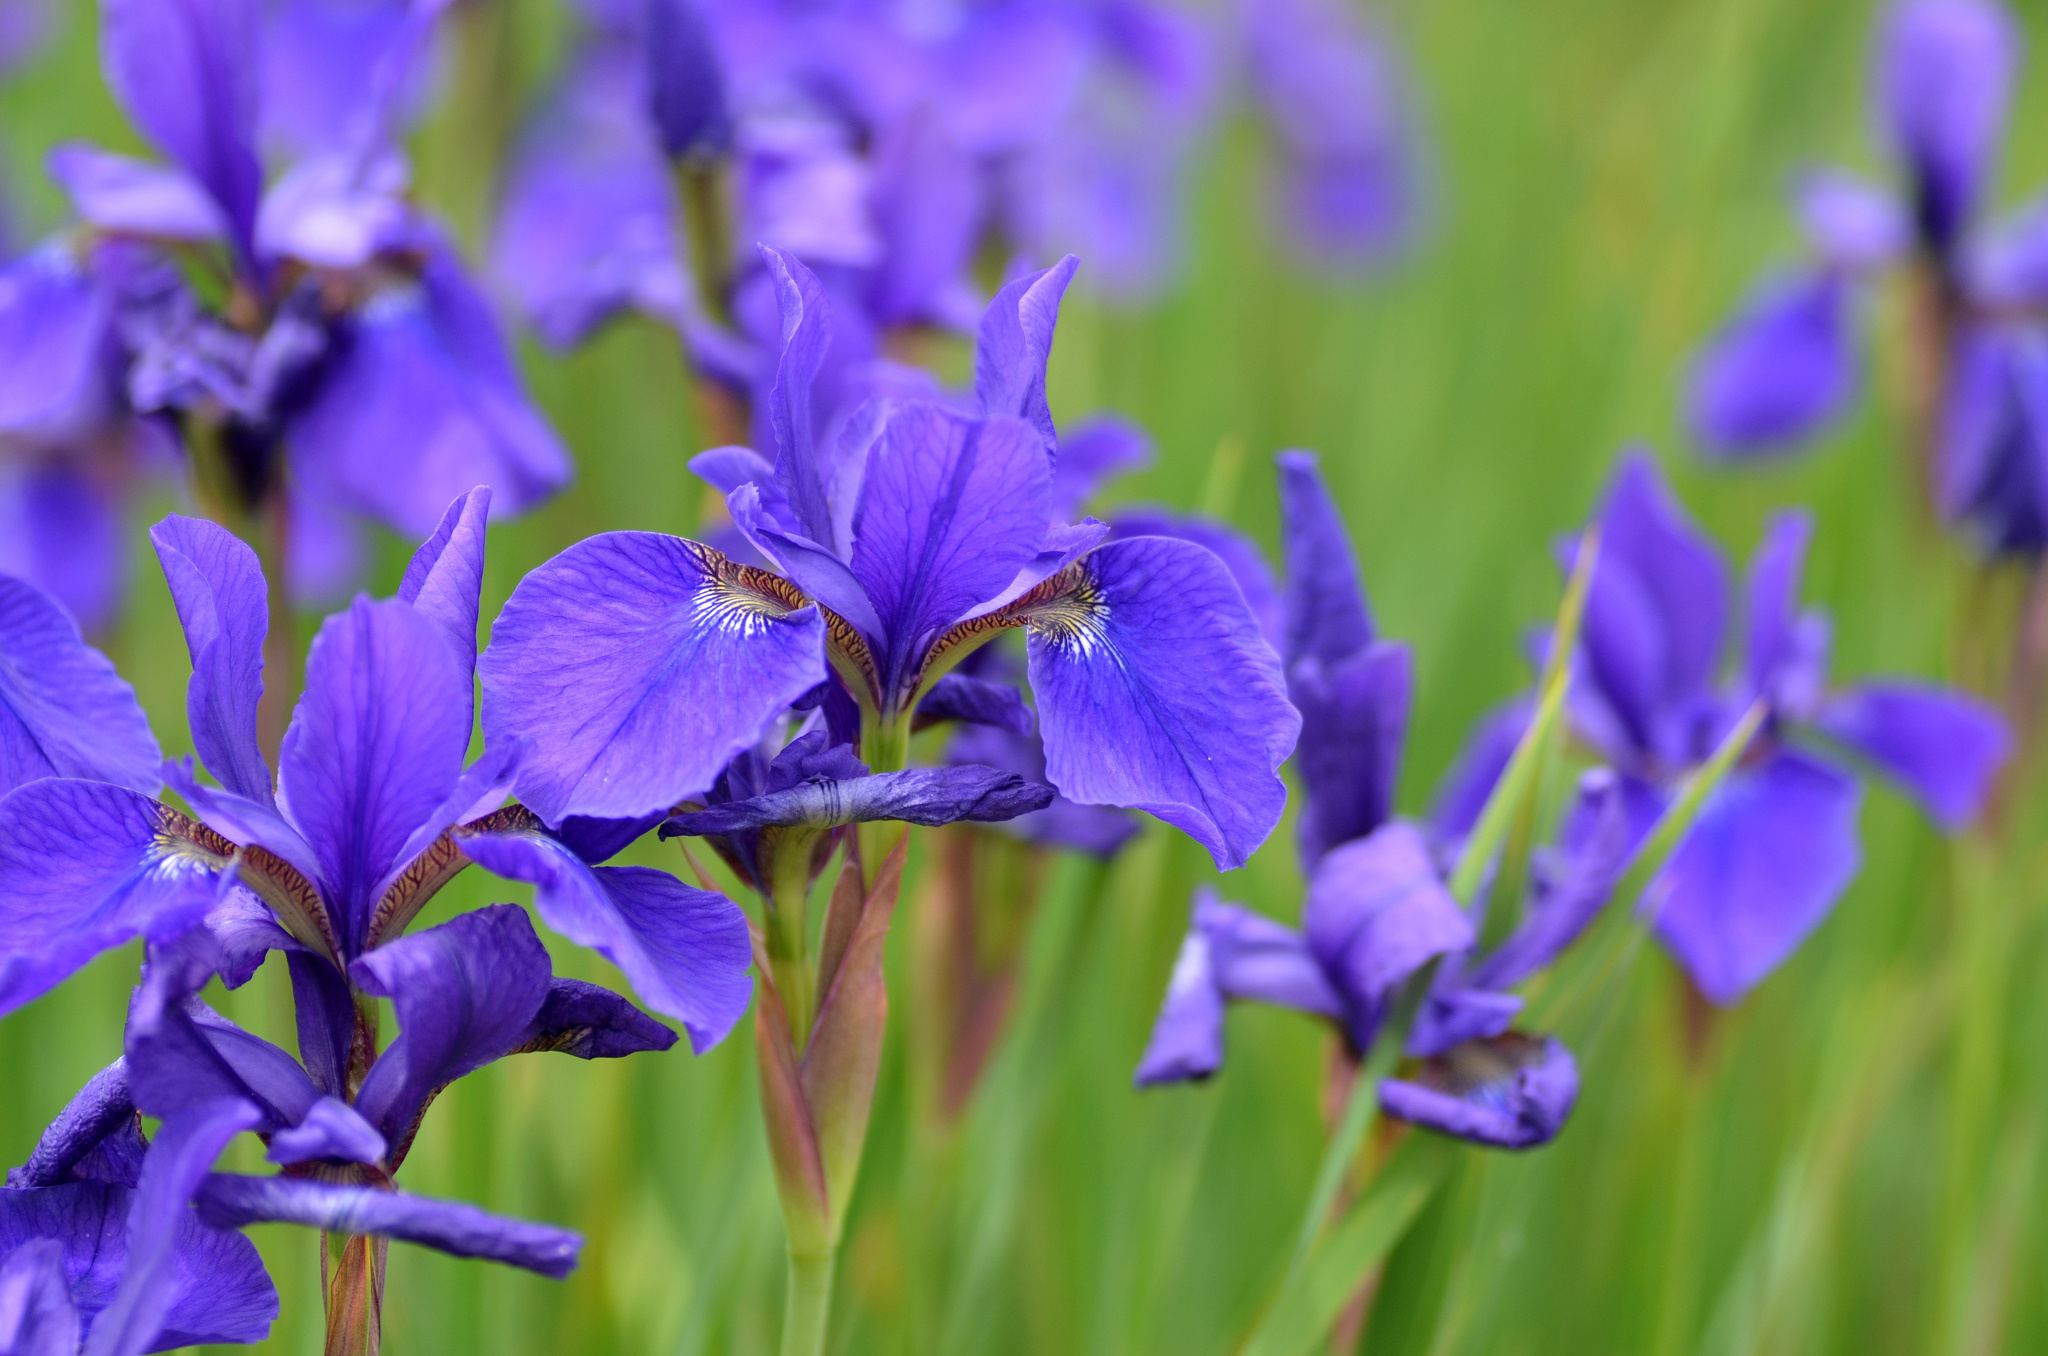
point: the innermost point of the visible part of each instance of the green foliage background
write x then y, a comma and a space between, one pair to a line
1849, 1161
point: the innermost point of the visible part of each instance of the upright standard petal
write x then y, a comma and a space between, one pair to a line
1354, 719
229, 1201
444, 581
1657, 612
950, 510
1013, 344
186, 71
1945, 75
927, 201
806, 334
54, 323
85, 866
374, 748
637, 666
223, 604
1509, 1091
1943, 747
1324, 608
1765, 862
419, 403
1779, 372
64, 712
464, 992
1157, 692
1786, 657
1852, 224
685, 950
179, 1158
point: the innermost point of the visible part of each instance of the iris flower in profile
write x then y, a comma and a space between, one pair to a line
1785, 368
1377, 910
1775, 847
351, 343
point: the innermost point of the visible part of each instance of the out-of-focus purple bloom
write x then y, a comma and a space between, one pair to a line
1351, 189
1785, 367
64, 712
1776, 846
348, 309
899, 551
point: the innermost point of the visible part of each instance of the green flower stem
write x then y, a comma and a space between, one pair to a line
808, 1306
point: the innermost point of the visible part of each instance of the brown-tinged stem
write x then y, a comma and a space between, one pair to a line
352, 1270
281, 642
1931, 318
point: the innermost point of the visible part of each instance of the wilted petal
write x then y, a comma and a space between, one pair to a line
591, 1022
1781, 370
375, 747
64, 712
331, 1129
157, 1269
229, 1201
1850, 223
1325, 611
1943, 747
637, 666
1091, 452
928, 796
187, 74
464, 993
974, 701
1510, 1092
84, 867
37, 1317
950, 510
1354, 717
1945, 75
1452, 1014
1764, 863
685, 950
223, 604
1657, 611
1376, 913
445, 578
1156, 691
420, 403
134, 197
101, 1107
1013, 344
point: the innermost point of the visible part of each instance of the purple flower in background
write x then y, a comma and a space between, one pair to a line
1377, 911
909, 539
1350, 185
1786, 366
1776, 846
351, 341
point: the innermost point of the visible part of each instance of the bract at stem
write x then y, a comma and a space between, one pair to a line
352, 1268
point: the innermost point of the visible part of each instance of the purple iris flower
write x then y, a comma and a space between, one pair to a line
1776, 846
637, 665
1377, 911
351, 341
371, 813
1787, 365
1351, 179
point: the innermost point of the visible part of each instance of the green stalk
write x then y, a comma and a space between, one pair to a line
808, 1306
789, 931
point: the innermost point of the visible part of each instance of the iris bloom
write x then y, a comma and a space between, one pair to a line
1777, 844
1786, 367
638, 665
351, 339
1377, 910
370, 813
